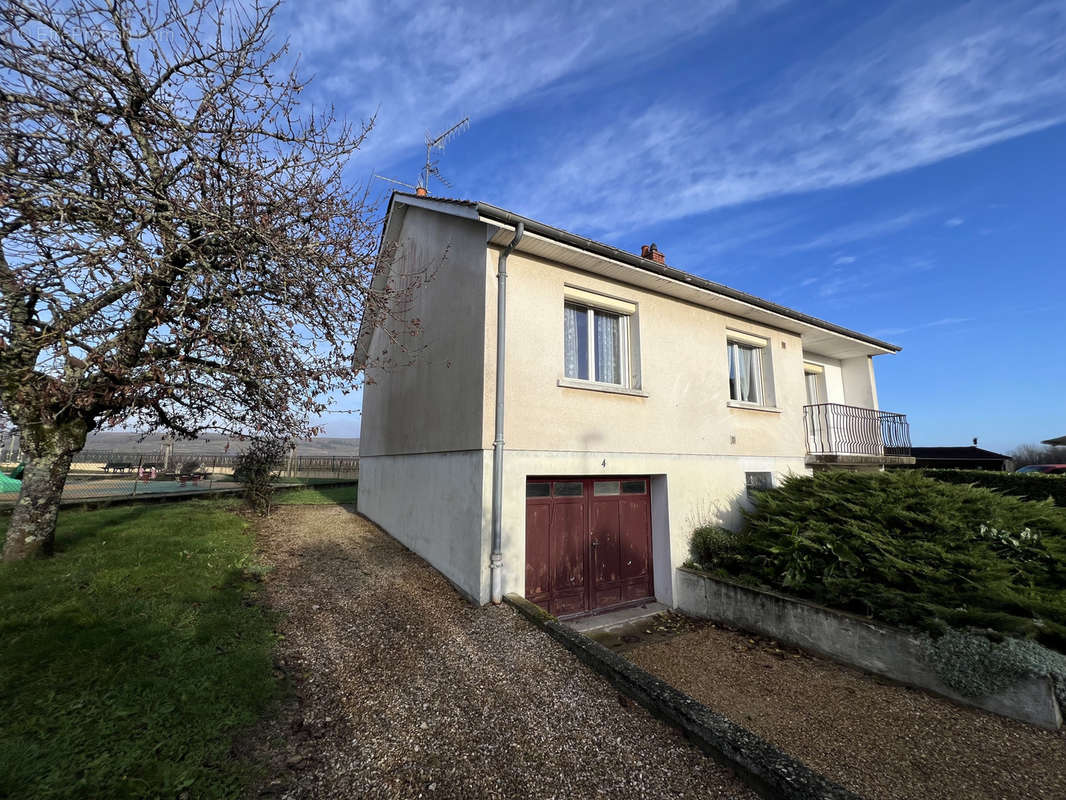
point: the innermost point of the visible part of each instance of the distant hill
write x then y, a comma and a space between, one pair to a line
121, 442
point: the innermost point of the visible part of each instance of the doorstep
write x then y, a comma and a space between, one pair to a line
608, 620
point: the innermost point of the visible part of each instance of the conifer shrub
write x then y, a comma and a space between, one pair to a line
907, 550
1026, 485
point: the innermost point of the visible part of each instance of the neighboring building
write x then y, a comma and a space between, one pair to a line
959, 458
1058, 441
640, 401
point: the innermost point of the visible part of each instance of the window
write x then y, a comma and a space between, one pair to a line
598, 339
749, 369
633, 487
569, 489
597, 345
757, 482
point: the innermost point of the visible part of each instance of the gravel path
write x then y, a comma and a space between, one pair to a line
402, 689
882, 741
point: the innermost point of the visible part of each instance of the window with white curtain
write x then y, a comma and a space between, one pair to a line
596, 344
746, 370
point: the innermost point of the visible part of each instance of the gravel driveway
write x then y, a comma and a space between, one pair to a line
402, 689
883, 741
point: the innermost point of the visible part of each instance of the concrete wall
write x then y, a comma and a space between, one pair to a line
434, 403
439, 506
852, 640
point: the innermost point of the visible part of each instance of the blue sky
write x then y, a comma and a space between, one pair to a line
897, 168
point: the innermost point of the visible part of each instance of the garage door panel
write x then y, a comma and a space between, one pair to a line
604, 531
538, 550
635, 558
568, 545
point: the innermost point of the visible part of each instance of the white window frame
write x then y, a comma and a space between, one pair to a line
760, 346
625, 311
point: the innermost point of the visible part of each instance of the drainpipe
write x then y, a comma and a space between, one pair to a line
496, 560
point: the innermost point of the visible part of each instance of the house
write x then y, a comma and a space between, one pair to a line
568, 453
972, 457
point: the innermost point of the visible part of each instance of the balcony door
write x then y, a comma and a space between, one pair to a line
819, 435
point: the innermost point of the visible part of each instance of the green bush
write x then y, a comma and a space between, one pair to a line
255, 470
1027, 485
710, 544
909, 550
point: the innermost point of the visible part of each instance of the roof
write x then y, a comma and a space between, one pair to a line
1056, 442
487, 212
956, 454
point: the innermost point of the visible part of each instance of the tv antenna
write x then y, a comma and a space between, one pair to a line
393, 180
431, 167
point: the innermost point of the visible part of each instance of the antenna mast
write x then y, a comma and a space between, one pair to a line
439, 142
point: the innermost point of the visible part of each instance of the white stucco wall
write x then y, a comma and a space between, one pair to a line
860, 389
430, 400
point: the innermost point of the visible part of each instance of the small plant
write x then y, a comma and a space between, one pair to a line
711, 544
255, 471
975, 666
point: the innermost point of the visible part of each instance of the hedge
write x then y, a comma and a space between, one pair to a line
905, 549
1027, 485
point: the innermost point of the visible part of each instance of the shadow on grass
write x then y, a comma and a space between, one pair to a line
133, 658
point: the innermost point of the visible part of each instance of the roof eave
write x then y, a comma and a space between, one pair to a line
500, 216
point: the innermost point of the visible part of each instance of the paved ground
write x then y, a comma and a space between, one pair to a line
878, 739
403, 690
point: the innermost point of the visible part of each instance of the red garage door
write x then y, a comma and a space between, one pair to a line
588, 543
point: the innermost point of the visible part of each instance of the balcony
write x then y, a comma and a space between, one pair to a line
851, 436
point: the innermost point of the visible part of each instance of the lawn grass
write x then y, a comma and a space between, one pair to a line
131, 659
326, 495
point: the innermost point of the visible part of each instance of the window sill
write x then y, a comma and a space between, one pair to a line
610, 388
753, 407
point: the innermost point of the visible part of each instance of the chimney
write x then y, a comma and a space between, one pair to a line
650, 251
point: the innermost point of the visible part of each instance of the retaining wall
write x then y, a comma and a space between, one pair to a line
853, 640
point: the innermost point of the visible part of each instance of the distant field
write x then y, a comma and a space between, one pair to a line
215, 445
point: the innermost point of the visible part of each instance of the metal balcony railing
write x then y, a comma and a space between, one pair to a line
837, 429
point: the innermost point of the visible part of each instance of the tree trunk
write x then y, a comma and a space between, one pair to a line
31, 533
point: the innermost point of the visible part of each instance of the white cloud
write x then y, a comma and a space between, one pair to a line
880, 102
860, 231
938, 323
425, 65
954, 222
839, 260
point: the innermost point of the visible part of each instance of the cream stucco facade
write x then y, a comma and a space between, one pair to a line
428, 426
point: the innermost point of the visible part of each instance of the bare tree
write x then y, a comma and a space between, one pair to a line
1026, 454
178, 247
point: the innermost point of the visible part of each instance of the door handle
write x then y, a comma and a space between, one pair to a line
595, 543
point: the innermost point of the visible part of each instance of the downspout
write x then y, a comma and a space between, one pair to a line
496, 560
